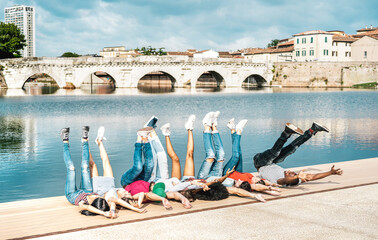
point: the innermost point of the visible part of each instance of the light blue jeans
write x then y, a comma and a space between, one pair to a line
160, 160
139, 171
214, 149
236, 159
71, 190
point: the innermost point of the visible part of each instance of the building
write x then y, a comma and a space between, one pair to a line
206, 54
365, 49
318, 45
24, 18
119, 51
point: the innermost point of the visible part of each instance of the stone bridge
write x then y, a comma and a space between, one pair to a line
127, 72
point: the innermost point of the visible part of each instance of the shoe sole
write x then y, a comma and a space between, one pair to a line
149, 120
295, 129
321, 126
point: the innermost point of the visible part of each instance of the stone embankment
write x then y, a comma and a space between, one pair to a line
323, 74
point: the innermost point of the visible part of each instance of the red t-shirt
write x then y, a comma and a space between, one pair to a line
242, 176
137, 187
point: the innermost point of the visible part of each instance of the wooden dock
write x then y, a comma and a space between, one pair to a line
55, 215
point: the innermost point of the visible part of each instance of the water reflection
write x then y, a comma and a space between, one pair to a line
98, 89
40, 90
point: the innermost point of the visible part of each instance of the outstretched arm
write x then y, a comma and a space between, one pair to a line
179, 197
126, 205
305, 177
263, 188
243, 193
221, 179
153, 197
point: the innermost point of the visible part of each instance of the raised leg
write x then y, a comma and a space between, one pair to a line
267, 157
148, 166
189, 160
86, 183
292, 147
176, 168
236, 158
70, 180
160, 158
130, 176
217, 168
92, 166
108, 171
210, 154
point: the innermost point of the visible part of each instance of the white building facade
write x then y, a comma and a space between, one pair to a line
24, 18
323, 46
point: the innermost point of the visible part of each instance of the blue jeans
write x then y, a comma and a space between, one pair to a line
71, 190
236, 159
277, 153
139, 171
160, 160
212, 152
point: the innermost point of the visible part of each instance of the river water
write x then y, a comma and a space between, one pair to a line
31, 152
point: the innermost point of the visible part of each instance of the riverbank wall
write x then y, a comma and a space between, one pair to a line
323, 74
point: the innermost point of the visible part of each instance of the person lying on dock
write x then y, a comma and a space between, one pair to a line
90, 203
104, 185
200, 188
135, 180
238, 178
266, 162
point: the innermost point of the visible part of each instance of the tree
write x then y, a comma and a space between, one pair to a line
70, 54
152, 51
273, 43
11, 40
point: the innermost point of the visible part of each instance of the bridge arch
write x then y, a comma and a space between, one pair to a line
157, 79
210, 78
254, 80
40, 83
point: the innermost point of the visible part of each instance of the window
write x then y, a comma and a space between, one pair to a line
325, 39
311, 52
303, 40
346, 44
347, 54
303, 53
297, 53
297, 40
325, 52
312, 39
365, 54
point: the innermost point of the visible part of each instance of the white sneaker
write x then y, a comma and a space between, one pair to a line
143, 132
214, 120
165, 129
207, 120
100, 134
190, 122
241, 124
231, 124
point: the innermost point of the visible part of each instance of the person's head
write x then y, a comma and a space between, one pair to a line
99, 203
216, 192
246, 186
189, 194
152, 184
255, 180
289, 173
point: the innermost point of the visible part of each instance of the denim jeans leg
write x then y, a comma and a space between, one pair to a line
235, 160
205, 168
85, 174
207, 142
70, 180
217, 168
148, 166
162, 159
267, 157
130, 176
292, 147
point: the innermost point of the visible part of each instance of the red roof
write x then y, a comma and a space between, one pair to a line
339, 38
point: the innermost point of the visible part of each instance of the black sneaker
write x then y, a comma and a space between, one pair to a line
64, 134
290, 129
151, 122
85, 132
319, 128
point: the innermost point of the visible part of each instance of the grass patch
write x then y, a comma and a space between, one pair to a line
365, 85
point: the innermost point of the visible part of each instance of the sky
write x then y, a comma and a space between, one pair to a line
86, 26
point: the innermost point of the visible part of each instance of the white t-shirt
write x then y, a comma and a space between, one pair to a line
272, 172
175, 185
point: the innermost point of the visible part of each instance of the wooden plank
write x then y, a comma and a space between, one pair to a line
46, 216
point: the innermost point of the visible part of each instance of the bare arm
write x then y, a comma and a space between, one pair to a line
311, 177
221, 179
127, 205
243, 193
262, 188
289, 180
179, 197
153, 197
